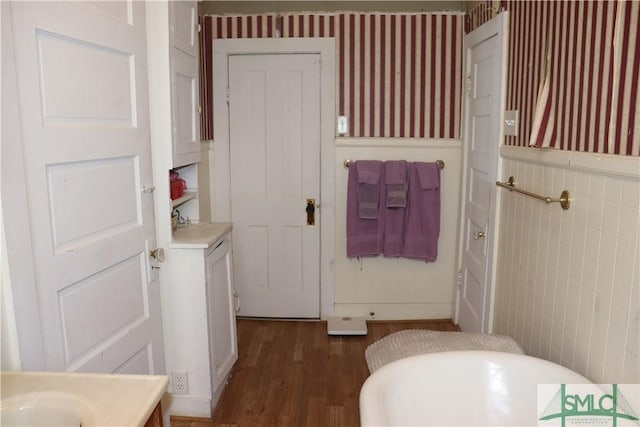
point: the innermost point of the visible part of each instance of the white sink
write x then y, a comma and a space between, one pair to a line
459, 388
63, 399
47, 408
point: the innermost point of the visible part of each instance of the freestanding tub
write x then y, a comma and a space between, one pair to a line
469, 388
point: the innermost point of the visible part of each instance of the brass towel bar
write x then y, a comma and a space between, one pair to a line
564, 200
349, 162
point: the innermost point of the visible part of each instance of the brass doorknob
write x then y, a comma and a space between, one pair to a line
478, 235
158, 254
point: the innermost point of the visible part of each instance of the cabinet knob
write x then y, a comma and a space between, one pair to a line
157, 254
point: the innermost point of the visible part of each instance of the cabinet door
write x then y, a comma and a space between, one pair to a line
184, 30
185, 106
223, 347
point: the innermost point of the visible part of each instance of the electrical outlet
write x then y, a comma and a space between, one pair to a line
180, 383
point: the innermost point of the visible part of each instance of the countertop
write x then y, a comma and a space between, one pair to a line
200, 236
98, 399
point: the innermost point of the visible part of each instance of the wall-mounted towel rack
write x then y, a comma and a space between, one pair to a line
349, 162
564, 200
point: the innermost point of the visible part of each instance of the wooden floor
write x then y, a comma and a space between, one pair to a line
293, 374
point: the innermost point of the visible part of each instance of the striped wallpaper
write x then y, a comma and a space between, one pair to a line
398, 75
593, 90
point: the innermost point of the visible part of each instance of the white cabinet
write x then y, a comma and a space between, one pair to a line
223, 348
184, 26
199, 316
195, 279
172, 53
185, 108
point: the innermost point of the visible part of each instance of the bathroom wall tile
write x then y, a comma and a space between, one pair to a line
568, 347
629, 194
554, 356
629, 221
556, 337
610, 218
595, 212
616, 339
545, 348
572, 274
612, 190
623, 273
596, 186
579, 207
631, 364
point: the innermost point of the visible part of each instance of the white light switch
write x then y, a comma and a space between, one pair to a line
343, 126
511, 123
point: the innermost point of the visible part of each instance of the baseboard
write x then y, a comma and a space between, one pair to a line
189, 406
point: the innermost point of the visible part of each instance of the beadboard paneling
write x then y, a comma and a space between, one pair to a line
568, 282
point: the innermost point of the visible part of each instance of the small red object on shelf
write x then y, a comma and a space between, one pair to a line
177, 185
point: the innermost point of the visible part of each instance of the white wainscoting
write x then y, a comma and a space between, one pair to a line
568, 282
398, 288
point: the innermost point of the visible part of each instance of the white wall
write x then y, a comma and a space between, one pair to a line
398, 288
568, 282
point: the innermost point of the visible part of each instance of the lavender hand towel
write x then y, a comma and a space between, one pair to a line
422, 214
395, 178
369, 172
364, 236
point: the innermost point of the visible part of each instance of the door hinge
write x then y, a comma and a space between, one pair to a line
468, 86
459, 278
199, 27
199, 109
148, 189
228, 95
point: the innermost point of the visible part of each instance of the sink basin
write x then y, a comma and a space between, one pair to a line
66, 399
50, 408
459, 388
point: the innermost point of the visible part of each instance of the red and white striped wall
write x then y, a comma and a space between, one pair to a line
593, 88
398, 75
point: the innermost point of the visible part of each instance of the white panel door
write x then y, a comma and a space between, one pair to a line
274, 117
185, 108
483, 104
83, 102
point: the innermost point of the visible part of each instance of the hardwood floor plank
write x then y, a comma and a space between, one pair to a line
291, 373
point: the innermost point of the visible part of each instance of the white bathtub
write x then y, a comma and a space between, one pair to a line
467, 388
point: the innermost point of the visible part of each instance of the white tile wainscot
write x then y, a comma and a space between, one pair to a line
199, 315
568, 280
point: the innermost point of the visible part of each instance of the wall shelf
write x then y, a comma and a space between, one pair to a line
188, 195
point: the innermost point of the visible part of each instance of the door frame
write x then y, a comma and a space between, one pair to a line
19, 281
496, 27
221, 185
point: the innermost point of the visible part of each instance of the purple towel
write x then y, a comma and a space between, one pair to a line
369, 183
395, 178
364, 236
422, 216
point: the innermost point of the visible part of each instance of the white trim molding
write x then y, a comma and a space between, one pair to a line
598, 163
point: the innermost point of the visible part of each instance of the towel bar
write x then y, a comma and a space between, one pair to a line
564, 199
349, 162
